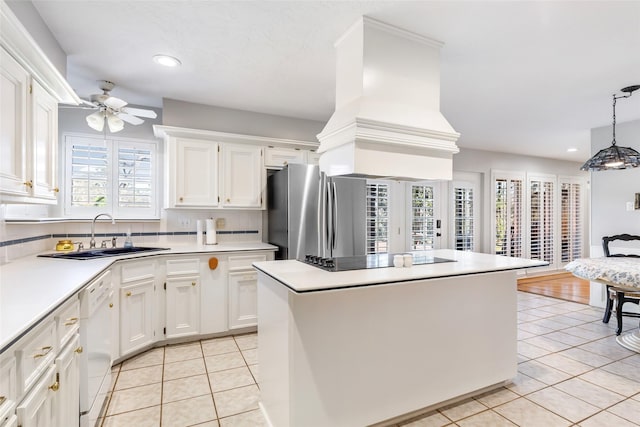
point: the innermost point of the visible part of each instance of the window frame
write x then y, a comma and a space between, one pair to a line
113, 144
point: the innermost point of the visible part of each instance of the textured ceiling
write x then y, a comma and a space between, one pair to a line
521, 77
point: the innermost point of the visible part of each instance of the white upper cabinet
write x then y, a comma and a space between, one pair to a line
14, 87
277, 157
43, 143
242, 176
192, 167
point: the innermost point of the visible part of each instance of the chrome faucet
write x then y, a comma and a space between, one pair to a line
92, 242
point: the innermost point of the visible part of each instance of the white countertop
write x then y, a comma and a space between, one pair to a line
301, 277
32, 287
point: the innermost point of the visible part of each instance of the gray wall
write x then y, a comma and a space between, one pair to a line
611, 190
30, 18
207, 117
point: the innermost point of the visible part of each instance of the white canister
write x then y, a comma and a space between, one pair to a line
398, 260
408, 260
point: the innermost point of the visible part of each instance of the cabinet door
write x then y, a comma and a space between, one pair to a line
36, 410
136, 316
196, 173
43, 143
14, 86
243, 307
281, 157
67, 398
242, 176
182, 306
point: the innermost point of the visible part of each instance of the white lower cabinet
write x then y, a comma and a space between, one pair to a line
67, 397
137, 304
182, 306
37, 408
243, 299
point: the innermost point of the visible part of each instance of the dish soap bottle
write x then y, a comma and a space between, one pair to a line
128, 243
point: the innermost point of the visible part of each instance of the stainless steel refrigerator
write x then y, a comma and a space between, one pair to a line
312, 214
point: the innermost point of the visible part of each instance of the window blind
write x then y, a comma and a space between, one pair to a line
377, 218
508, 216
89, 175
135, 173
541, 228
422, 217
571, 225
463, 218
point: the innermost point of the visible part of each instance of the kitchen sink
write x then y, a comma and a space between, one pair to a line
101, 253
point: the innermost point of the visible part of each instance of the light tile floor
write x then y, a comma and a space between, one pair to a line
571, 373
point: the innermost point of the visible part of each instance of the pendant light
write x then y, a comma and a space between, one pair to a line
615, 157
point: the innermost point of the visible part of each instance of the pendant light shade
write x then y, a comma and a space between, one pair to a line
615, 157
96, 120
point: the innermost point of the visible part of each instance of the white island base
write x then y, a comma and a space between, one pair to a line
365, 355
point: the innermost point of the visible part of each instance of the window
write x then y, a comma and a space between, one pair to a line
377, 218
571, 223
508, 210
463, 218
423, 222
542, 219
110, 175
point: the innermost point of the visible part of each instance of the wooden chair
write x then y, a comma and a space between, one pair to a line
619, 296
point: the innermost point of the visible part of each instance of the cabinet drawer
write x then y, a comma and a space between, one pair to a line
244, 262
280, 157
67, 321
7, 385
135, 271
35, 354
183, 266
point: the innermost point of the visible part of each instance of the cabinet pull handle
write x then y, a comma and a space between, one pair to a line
193, 283
46, 349
55, 386
110, 305
29, 183
79, 350
71, 321
128, 294
2, 399
228, 200
285, 163
55, 190
181, 199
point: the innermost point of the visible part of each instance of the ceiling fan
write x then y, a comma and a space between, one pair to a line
112, 110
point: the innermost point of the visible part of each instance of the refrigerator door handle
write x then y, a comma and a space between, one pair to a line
329, 221
334, 215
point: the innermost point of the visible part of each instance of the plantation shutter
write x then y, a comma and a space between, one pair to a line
422, 217
135, 176
377, 218
571, 222
541, 219
89, 173
508, 213
463, 221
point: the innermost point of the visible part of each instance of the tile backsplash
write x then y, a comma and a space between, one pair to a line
19, 239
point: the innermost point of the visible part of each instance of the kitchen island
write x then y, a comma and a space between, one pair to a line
362, 347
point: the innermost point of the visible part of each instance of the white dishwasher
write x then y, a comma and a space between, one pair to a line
95, 338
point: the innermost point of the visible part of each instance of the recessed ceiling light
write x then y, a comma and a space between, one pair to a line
571, 150
166, 60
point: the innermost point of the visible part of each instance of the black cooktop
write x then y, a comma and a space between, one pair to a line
367, 261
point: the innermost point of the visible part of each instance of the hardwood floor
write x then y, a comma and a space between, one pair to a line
564, 286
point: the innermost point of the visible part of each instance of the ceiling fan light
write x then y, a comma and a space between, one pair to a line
166, 60
115, 123
96, 121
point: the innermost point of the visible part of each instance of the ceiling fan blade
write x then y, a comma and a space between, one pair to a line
115, 124
114, 103
140, 112
130, 119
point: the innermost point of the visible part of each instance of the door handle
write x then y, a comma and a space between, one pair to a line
334, 214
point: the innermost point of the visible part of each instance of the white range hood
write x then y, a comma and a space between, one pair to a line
387, 122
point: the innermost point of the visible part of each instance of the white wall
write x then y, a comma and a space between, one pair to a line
611, 190
208, 117
35, 26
